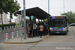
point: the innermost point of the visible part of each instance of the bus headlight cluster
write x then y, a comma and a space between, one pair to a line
50, 29
64, 29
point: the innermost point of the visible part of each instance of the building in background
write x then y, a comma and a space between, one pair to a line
4, 18
20, 18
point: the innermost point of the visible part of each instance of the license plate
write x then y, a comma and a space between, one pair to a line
57, 32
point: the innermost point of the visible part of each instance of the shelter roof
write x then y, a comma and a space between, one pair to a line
37, 12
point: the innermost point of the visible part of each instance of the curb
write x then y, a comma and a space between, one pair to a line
26, 42
21, 42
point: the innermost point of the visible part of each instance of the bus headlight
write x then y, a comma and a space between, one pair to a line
50, 29
64, 29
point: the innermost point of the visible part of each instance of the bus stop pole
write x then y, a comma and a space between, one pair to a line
63, 6
48, 6
24, 19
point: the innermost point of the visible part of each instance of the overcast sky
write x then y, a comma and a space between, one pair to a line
56, 6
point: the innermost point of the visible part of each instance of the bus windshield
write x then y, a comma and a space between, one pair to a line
58, 23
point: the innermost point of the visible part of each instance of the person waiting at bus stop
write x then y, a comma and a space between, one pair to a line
46, 28
34, 29
30, 30
41, 28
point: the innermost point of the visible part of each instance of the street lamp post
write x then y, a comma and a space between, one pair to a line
63, 6
24, 19
48, 7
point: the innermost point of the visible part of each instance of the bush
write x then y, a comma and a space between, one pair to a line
7, 25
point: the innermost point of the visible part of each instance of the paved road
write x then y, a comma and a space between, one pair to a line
54, 42
58, 42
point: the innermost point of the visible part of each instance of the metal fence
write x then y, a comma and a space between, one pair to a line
11, 32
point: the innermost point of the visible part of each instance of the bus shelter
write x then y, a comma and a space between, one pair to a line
36, 12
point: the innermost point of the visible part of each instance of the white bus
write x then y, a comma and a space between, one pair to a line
58, 25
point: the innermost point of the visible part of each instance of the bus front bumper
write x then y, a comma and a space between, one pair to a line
58, 32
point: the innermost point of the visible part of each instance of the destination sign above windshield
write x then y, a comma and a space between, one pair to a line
57, 17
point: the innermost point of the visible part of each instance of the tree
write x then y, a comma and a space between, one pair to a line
12, 6
22, 22
46, 20
2, 6
71, 17
9, 6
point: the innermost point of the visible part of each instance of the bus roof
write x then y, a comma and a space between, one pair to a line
58, 16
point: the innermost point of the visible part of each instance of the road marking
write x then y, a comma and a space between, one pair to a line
44, 39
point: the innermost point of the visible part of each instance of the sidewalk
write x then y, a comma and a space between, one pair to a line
26, 41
